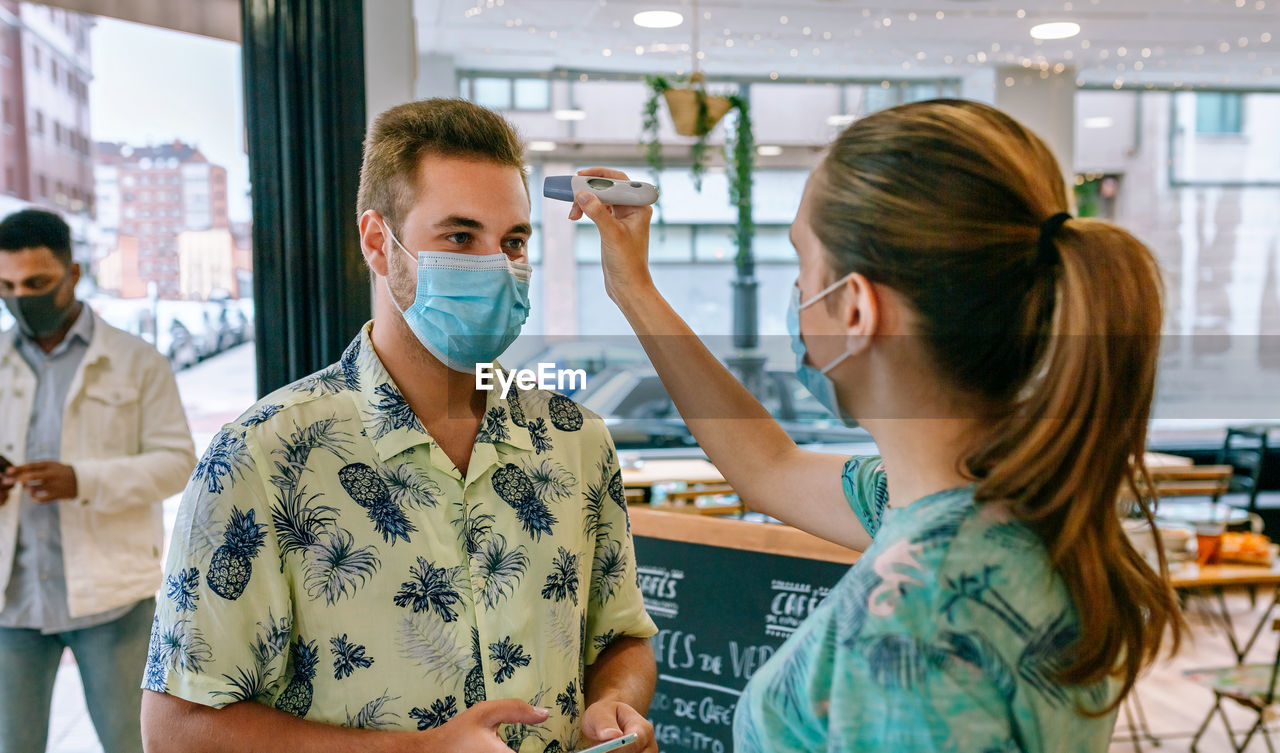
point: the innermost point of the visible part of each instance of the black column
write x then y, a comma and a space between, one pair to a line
305, 119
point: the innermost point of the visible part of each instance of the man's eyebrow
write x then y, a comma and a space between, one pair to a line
458, 221
523, 228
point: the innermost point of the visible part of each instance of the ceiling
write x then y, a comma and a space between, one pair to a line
1221, 43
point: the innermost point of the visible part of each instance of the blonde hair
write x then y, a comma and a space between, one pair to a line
401, 136
944, 202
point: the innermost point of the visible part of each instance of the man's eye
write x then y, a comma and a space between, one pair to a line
517, 244
459, 238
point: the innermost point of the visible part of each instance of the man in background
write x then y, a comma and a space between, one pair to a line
96, 439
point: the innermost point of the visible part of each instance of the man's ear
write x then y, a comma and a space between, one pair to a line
373, 241
861, 312
76, 272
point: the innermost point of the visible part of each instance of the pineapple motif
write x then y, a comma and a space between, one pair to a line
296, 698
473, 690
368, 490
513, 485
616, 493
517, 410
232, 563
565, 414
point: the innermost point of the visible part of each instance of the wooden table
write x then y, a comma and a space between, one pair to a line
650, 472
1189, 577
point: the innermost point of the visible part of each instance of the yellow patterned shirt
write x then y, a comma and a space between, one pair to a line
329, 560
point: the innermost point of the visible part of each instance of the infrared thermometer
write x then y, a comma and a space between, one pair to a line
613, 744
627, 193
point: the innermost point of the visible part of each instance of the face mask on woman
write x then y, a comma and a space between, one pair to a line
468, 307
814, 379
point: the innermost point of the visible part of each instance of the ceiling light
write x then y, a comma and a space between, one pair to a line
542, 146
571, 115
1101, 121
840, 121
658, 19
1055, 30
768, 150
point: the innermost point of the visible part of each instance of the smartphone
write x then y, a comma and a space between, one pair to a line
613, 744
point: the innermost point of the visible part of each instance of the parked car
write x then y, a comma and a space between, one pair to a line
640, 414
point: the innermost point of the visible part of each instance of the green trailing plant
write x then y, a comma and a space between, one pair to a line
741, 153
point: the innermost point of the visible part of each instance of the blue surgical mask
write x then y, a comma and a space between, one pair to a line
468, 307
814, 379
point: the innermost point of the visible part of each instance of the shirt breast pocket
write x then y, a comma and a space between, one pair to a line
111, 420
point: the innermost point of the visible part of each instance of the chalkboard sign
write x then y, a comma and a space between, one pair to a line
721, 613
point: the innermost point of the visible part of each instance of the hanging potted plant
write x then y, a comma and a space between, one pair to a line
694, 113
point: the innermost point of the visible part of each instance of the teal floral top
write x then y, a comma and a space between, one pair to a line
945, 636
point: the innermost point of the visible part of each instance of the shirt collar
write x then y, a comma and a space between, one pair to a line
393, 427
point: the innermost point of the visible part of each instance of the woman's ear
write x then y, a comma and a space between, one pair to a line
861, 312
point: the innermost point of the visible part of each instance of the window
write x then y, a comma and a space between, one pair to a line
39, 122
1218, 112
53, 67
35, 57
10, 180
8, 112
494, 93
57, 133
42, 184
506, 93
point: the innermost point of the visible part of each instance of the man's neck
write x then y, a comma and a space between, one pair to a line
434, 391
50, 342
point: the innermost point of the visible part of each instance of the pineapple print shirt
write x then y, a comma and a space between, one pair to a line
330, 561
946, 635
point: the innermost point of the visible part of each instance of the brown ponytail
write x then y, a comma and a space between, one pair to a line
944, 202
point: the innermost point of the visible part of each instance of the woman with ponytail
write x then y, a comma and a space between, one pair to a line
1002, 354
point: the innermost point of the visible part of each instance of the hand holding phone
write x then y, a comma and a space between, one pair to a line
613, 744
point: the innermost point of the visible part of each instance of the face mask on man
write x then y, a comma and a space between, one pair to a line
468, 307
40, 315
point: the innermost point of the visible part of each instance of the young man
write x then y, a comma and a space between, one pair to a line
98, 439
368, 558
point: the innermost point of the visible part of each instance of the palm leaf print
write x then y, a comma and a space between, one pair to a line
155, 673
516, 734
272, 639
440, 711
500, 569
473, 530
245, 685
409, 489
539, 435
568, 701
976, 650
350, 365
181, 646
509, 657
260, 415
790, 683
607, 570
550, 480
328, 381
347, 657
433, 649
605, 640
227, 457
431, 589
494, 428
593, 523
337, 568
182, 589
295, 451
374, 714
1046, 654
298, 521
562, 583
391, 412
899, 661
565, 629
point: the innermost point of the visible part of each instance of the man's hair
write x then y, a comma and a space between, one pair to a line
33, 228
402, 136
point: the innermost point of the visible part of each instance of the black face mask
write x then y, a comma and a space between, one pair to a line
39, 315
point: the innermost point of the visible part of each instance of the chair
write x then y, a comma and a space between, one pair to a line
1250, 685
1245, 449
1191, 480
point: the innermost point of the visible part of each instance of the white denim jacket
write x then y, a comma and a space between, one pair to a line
125, 433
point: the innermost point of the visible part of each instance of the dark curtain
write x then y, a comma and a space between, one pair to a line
305, 119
